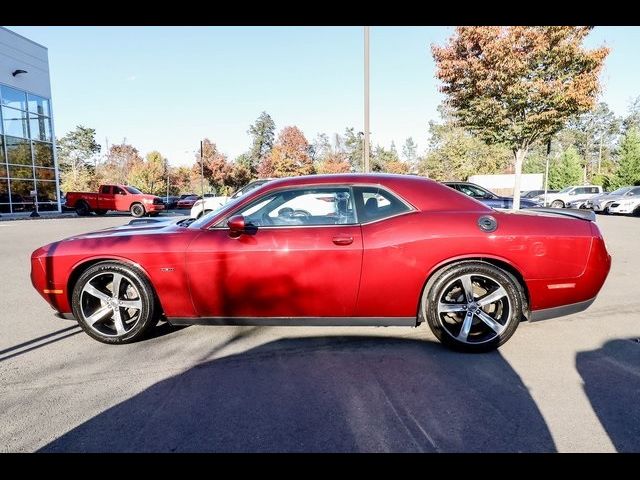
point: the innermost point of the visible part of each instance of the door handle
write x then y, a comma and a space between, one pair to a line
343, 240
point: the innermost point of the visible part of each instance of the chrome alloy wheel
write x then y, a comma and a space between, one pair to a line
474, 309
110, 304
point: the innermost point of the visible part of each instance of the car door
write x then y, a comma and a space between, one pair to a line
105, 198
301, 257
121, 200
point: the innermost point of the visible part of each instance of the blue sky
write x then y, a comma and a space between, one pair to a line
165, 88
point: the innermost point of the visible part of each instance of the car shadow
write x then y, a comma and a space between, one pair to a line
611, 377
326, 394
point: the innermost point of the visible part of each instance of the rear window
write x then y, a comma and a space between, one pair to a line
374, 203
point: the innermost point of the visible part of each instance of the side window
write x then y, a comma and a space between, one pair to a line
302, 207
577, 191
118, 191
634, 191
105, 189
374, 204
594, 190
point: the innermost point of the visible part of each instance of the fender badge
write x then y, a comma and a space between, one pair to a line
166, 269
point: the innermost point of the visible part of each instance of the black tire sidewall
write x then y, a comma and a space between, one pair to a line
434, 290
82, 209
133, 208
147, 313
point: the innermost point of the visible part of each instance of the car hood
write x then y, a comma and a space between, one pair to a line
605, 196
136, 227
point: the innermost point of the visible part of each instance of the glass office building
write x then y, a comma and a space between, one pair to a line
27, 150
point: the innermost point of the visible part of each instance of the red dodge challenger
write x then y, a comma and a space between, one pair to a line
350, 249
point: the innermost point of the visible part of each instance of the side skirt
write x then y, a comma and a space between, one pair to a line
298, 321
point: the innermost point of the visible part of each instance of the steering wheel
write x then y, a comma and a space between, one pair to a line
301, 214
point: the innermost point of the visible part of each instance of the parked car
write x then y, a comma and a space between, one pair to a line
171, 201
570, 194
534, 193
207, 205
122, 198
628, 205
187, 202
489, 198
601, 203
391, 250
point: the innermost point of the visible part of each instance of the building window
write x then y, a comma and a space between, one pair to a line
26, 152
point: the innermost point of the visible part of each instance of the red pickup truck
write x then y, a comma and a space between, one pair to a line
121, 198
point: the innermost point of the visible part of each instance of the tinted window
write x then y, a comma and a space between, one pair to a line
634, 191
118, 191
474, 191
303, 206
105, 189
133, 190
594, 190
375, 203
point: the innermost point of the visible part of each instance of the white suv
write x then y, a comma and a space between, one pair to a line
570, 194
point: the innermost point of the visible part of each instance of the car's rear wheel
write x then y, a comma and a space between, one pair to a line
557, 204
82, 208
114, 303
473, 306
137, 210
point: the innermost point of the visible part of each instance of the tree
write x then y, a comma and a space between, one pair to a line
628, 171
262, 134
121, 159
321, 147
409, 153
150, 175
334, 163
456, 154
215, 166
76, 149
565, 171
354, 148
633, 117
515, 85
289, 156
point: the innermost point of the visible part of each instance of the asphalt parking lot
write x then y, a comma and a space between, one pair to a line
570, 384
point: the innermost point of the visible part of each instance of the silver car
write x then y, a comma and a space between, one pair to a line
601, 203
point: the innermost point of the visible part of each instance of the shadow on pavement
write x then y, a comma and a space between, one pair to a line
39, 342
334, 394
611, 377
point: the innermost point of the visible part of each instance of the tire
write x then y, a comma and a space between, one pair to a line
496, 322
82, 208
636, 212
101, 212
93, 293
557, 204
137, 210
204, 212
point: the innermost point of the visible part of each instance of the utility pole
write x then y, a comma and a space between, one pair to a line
546, 172
366, 99
201, 169
166, 166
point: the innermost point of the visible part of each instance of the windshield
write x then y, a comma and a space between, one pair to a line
620, 191
133, 190
565, 190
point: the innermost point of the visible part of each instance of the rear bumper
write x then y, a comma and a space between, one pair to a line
561, 311
154, 207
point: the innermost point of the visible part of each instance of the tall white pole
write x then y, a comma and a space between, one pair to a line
366, 99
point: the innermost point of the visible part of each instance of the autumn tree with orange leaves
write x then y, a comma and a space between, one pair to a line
516, 85
288, 157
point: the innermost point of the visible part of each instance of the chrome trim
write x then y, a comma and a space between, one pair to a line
298, 321
547, 313
350, 186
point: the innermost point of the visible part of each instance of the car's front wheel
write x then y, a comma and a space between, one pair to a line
114, 303
473, 306
557, 204
137, 210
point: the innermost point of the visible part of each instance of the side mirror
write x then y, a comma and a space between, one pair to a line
236, 226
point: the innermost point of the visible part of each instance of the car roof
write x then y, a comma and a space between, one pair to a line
421, 192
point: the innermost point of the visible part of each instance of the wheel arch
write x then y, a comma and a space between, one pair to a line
79, 268
501, 263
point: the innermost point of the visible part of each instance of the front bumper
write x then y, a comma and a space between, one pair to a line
154, 207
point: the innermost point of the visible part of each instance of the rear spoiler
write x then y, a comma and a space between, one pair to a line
580, 214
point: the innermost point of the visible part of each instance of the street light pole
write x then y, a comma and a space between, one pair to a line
166, 166
366, 99
201, 169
